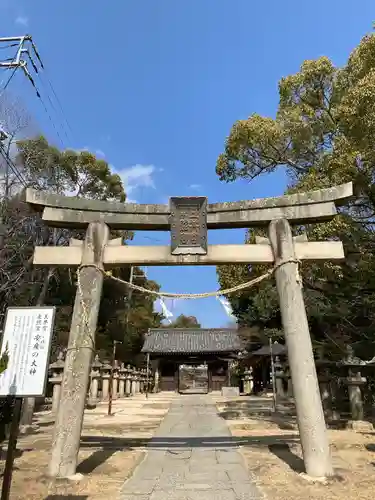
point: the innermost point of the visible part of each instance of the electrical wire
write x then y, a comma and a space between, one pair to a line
52, 122
27, 57
35, 67
8, 81
2, 47
12, 166
57, 100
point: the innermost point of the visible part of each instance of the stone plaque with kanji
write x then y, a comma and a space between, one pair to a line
188, 225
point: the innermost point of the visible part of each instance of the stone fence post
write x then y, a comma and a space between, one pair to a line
105, 372
57, 369
95, 376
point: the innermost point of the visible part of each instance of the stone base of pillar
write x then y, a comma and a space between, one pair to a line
359, 426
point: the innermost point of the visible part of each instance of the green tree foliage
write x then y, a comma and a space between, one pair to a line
183, 321
323, 134
79, 173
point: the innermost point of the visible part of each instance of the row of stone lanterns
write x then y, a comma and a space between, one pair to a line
126, 381
354, 380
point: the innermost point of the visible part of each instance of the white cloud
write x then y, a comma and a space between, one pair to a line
195, 187
22, 21
137, 176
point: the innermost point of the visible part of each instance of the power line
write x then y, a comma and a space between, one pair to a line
12, 166
26, 50
8, 46
58, 101
9, 80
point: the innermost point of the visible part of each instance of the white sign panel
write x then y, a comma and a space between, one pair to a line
27, 337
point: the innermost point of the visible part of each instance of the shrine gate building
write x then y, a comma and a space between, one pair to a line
191, 360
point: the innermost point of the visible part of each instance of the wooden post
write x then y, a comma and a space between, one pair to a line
12, 446
310, 417
69, 419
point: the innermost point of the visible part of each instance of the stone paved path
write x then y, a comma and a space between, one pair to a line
192, 456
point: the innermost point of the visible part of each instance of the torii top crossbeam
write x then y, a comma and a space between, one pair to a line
188, 220
69, 211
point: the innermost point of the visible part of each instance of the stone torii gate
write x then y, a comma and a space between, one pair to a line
188, 220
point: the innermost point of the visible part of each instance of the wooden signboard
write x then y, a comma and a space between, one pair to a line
27, 338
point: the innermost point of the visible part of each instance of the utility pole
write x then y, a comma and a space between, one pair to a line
25, 53
113, 366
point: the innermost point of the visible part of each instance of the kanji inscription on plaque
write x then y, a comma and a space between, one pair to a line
27, 339
188, 225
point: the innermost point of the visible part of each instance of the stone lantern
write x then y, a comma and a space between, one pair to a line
95, 376
133, 378
279, 378
355, 381
57, 369
138, 381
121, 383
115, 380
128, 381
105, 372
248, 381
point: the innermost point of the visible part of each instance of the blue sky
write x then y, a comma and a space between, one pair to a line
155, 85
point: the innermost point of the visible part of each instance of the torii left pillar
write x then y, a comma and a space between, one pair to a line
69, 418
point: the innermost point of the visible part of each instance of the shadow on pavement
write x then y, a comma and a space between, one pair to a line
185, 442
284, 453
64, 497
278, 445
98, 458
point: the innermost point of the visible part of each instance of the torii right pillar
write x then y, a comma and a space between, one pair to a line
310, 416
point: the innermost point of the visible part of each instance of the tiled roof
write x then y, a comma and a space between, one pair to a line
191, 341
277, 350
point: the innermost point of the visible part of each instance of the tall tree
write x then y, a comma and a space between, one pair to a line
79, 173
183, 321
323, 134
